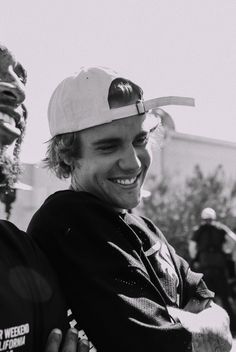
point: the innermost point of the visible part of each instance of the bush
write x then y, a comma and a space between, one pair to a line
176, 209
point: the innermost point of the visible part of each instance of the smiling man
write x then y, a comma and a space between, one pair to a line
125, 284
12, 116
13, 112
31, 302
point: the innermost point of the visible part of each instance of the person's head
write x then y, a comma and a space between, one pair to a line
105, 154
12, 115
101, 135
208, 215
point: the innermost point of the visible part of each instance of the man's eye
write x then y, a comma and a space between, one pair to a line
22, 79
107, 148
141, 140
21, 73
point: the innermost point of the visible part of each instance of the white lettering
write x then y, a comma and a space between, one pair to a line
15, 331
12, 343
17, 342
13, 337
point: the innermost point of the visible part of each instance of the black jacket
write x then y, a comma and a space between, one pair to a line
31, 304
111, 285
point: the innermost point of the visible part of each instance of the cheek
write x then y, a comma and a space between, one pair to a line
147, 156
91, 169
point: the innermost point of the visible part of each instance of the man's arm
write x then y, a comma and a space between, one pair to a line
70, 344
230, 239
209, 328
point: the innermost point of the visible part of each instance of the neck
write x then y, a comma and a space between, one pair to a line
77, 189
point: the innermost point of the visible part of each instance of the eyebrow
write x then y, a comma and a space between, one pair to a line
115, 140
106, 141
153, 128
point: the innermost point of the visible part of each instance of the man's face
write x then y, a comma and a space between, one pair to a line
115, 160
12, 110
12, 95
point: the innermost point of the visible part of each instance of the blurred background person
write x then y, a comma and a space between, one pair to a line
211, 250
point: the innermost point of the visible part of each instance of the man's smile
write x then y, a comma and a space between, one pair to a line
10, 123
125, 181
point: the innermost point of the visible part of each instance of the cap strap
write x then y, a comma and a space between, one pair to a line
144, 106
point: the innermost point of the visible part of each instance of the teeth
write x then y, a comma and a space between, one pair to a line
129, 181
8, 119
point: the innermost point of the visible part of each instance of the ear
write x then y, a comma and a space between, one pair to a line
71, 162
68, 161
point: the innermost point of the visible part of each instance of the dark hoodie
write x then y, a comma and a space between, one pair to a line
109, 269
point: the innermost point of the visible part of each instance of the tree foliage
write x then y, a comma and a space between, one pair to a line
176, 209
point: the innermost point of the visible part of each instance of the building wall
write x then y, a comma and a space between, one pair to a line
181, 152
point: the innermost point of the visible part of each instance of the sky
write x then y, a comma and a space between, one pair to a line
168, 47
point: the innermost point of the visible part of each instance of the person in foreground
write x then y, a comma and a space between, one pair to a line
135, 287
31, 302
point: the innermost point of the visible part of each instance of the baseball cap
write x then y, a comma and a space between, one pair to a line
81, 101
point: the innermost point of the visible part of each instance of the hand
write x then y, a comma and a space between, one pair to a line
209, 328
71, 343
195, 305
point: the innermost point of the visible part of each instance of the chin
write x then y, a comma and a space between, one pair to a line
130, 205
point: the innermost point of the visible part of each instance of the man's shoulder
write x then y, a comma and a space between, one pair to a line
197, 232
219, 226
203, 227
17, 242
70, 207
10, 231
69, 196
5, 224
66, 201
196, 228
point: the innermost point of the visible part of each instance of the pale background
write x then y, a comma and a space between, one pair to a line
169, 47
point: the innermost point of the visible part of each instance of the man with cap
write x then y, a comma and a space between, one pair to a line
210, 248
33, 311
122, 279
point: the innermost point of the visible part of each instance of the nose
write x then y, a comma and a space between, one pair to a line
130, 160
11, 94
12, 91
